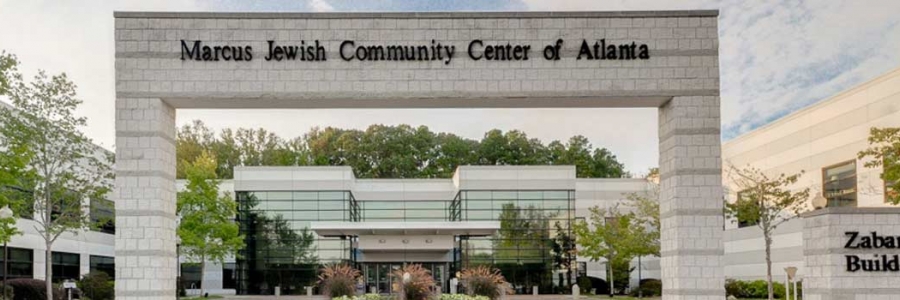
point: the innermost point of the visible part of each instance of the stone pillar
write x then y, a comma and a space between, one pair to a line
825, 235
145, 199
690, 167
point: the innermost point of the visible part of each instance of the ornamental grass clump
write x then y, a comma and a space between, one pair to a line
415, 282
338, 280
484, 281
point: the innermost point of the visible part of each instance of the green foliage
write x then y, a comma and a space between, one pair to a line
648, 288
462, 297
770, 201
338, 280
28, 289
584, 285
207, 229
64, 166
884, 152
366, 297
646, 216
381, 151
563, 249
752, 289
14, 155
614, 235
97, 286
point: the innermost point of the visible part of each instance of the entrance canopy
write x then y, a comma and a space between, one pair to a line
470, 228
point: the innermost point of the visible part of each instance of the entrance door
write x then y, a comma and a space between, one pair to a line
378, 276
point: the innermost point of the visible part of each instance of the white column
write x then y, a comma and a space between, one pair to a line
145, 199
691, 199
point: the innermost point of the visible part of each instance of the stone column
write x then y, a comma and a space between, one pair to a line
690, 167
834, 272
145, 199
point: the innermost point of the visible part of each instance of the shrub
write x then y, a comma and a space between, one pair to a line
417, 286
752, 289
584, 285
97, 286
461, 297
7, 292
363, 297
338, 280
649, 287
28, 289
484, 281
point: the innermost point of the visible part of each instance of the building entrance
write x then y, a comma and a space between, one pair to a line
379, 277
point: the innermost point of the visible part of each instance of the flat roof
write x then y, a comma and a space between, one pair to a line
471, 228
419, 15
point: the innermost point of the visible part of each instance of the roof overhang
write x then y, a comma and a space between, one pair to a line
468, 228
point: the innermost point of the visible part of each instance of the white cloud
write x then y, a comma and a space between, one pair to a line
774, 56
320, 6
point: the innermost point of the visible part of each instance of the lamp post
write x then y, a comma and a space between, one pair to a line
5, 213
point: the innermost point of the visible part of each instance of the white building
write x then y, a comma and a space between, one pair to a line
822, 141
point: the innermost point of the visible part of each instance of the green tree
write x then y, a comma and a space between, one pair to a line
769, 201
66, 168
207, 229
563, 248
381, 151
14, 156
884, 153
610, 234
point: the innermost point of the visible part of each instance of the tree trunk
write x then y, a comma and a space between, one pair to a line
202, 272
768, 238
49, 271
610, 279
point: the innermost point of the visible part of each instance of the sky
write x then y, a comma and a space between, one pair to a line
775, 57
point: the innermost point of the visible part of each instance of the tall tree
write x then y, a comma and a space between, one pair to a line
67, 169
611, 234
768, 202
14, 158
884, 153
207, 228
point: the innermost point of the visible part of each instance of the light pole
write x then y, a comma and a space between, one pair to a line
610, 221
5, 213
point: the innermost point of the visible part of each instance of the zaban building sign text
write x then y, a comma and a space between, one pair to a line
877, 262
435, 51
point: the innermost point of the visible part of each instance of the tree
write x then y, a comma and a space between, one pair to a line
207, 229
65, 167
563, 248
14, 157
646, 211
611, 234
381, 151
769, 201
884, 152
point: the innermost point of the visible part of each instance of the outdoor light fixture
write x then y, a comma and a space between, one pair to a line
819, 201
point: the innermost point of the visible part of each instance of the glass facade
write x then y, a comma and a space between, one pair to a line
521, 249
280, 249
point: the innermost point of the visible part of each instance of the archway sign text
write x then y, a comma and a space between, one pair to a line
350, 50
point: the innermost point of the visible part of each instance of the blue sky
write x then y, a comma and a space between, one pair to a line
776, 56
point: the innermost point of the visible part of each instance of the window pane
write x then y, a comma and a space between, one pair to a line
839, 184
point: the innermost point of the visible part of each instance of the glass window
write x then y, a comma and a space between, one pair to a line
190, 275
331, 196
21, 263
279, 196
229, 276
504, 195
103, 215
66, 266
103, 264
332, 204
279, 205
839, 184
